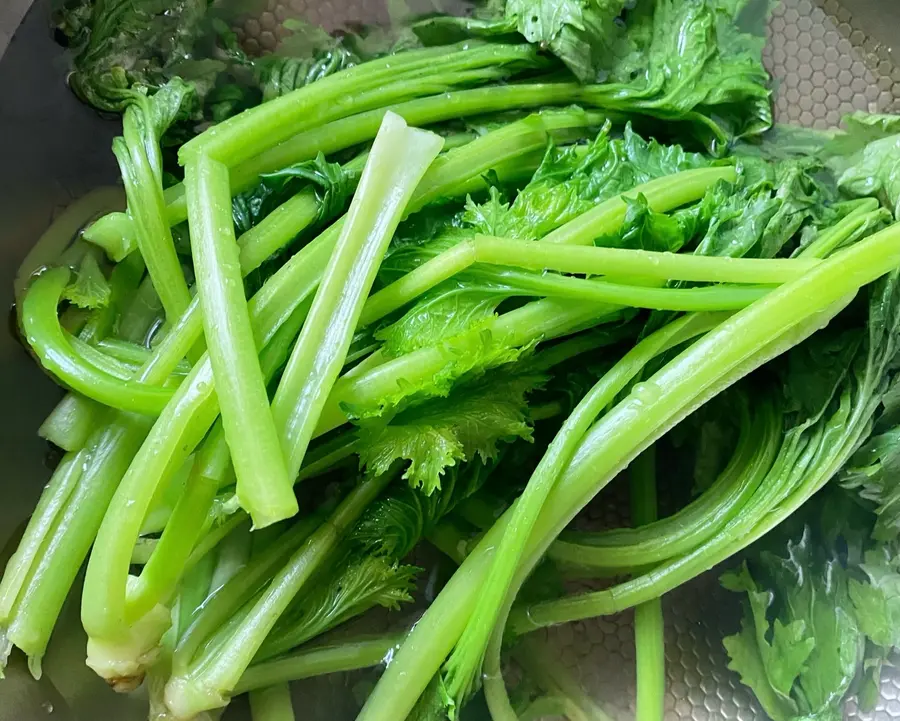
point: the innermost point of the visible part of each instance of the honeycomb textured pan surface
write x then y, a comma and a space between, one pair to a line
824, 66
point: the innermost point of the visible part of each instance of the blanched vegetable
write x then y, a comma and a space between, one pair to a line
370, 336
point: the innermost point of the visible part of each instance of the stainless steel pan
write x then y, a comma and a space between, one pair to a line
828, 57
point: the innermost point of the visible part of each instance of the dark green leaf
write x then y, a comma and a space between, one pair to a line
873, 472
866, 157
122, 43
573, 180
394, 524
333, 184
357, 584
800, 646
581, 34
877, 599
645, 229
768, 656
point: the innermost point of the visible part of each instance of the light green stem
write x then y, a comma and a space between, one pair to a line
181, 426
627, 549
461, 670
52, 345
264, 486
319, 660
398, 160
71, 422
272, 704
146, 206
648, 617
254, 131
662, 195
40, 527
209, 682
360, 128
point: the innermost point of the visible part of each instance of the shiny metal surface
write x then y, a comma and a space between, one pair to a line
828, 57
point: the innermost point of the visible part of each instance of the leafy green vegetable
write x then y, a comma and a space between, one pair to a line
120, 43
89, 289
358, 584
864, 158
832, 595
645, 229
815, 638
442, 315
333, 185
139, 156
667, 58
119, 46
877, 598
443, 432
872, 471
393, 525
540, 303
873, 172
307, 55
582, 35
570, 181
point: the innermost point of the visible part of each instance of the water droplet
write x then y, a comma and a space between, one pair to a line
47, 706
646, 393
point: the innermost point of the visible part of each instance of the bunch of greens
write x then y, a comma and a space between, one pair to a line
820, 613
337, 338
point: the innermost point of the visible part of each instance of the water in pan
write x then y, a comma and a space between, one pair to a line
825, 66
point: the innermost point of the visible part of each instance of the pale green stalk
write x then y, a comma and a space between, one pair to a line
264, 486
209, 682
649, 639
462, 668
398, 160
272, 704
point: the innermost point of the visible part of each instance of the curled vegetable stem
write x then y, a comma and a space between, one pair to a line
462, 667
632, 548
48, 340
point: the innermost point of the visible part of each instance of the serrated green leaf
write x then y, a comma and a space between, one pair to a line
89, 288
437, 435
778, 649
358, 584
644, 229
441, 315
332, 183
873, 472
395, 523
571, 181
877, 600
